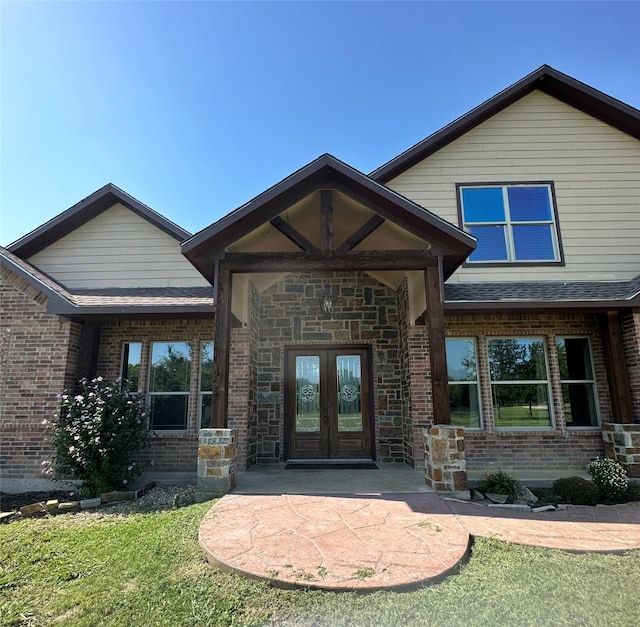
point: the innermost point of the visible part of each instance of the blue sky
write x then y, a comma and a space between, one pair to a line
196, 107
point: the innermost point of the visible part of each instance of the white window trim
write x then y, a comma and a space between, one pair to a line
200, 392
177, 432
552, 418
476, 383
508, 224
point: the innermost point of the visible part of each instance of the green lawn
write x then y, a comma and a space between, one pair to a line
147, 570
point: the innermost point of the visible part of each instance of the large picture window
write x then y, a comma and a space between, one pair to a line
206, 385
519, 382
513, 223
578, 383
169, 381
462, 372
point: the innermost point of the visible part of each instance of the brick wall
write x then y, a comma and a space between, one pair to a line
631, 341
365, 313
168, 452
38, 360
559, 447
416, 377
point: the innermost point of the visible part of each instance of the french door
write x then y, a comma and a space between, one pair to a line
328, 411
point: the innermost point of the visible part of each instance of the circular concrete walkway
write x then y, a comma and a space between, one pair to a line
390, 541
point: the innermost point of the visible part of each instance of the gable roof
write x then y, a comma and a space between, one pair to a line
84, 211
327, 172
569, 90
189, 301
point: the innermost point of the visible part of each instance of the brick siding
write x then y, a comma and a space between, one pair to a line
631, 342
558, 448
38, 360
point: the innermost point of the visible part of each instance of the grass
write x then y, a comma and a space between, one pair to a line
147, 569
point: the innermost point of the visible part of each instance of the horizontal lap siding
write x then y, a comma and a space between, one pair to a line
595, 169
118, 248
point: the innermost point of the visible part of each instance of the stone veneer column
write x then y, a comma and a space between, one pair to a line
216, 463
446, 467
622, 443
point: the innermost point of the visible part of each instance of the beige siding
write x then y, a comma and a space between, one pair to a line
595, 169
118, 248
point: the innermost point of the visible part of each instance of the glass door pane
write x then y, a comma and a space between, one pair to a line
307, 394
349, 397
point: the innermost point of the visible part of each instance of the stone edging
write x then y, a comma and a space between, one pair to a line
56, 507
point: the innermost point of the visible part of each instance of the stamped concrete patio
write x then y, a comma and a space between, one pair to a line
291, 533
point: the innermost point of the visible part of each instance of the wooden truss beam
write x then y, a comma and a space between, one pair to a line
293, 234
361, 234
326, 219
329, 261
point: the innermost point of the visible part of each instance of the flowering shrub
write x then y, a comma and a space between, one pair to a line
96, 435
610, 477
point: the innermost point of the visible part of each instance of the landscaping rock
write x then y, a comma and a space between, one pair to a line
5, 517
117, 495
523, 493
520, 506
34, 508
69, 506
89, 503
543, 508
499, 498
142, 491
52, 505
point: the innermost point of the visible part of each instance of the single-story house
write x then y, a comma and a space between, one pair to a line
487, 278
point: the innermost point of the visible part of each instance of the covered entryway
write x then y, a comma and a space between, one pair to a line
329, 330
327, 403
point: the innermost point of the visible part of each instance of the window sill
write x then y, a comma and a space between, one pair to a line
170, 433
511, 264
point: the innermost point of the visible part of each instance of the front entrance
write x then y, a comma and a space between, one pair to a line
328, 410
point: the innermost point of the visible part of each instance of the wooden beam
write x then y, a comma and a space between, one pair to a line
293, 234
437, 349
89, 348
616, 365
330, 261
326, 219
361, 234
221, 349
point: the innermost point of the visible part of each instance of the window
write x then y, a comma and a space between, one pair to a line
206, 385
169, 380
463, 382
519, 382
130, 368
513, 223
578, 383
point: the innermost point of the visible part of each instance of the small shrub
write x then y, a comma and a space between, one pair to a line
96, 435
576, 490
499, 483
610, 477
633, 491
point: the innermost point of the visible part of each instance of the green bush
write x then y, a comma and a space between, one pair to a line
576, 490
499, 483
610, 477
96, 435
633, 491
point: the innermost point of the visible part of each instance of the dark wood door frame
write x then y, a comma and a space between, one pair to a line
368, 414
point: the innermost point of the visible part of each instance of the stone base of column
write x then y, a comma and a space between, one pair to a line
445, 463
622, 443
216, 463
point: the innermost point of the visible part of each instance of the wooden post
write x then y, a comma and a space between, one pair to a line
326, 216
616, 364
89, 348
221, 348
437, 350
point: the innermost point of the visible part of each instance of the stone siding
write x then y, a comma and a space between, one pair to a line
365, 314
